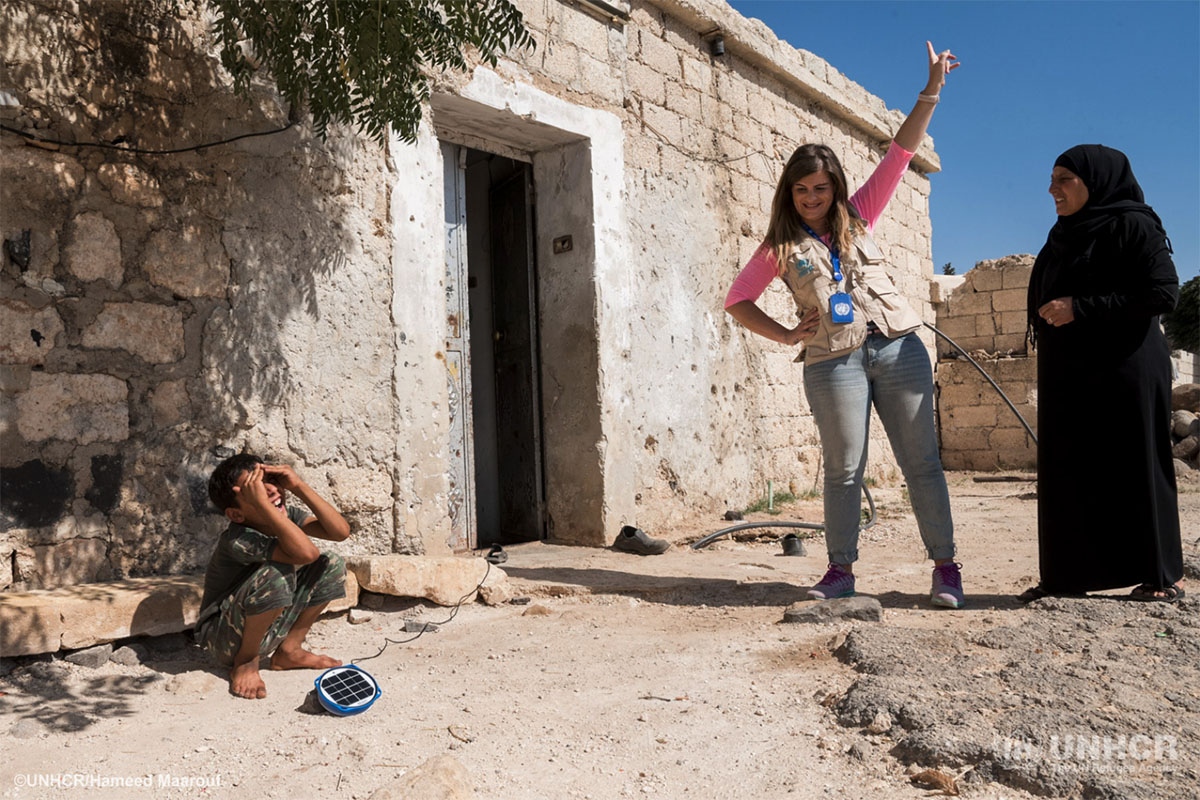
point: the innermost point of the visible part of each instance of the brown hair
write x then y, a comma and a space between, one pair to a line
785, 228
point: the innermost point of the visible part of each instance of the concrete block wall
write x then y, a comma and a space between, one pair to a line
978, 430
1187, 367
979, 310
984, 310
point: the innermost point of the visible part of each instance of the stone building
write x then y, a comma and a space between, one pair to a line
509, 330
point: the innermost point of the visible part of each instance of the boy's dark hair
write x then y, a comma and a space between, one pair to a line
224, 478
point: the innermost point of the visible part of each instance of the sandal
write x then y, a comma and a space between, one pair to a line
1146, 593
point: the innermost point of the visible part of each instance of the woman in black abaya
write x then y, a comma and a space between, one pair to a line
1107, 510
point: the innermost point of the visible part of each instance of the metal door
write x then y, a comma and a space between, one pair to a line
460, 468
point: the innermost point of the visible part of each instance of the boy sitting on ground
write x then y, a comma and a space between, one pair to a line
266, 582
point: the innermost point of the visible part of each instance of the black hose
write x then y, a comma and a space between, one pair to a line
812, 526
712, 537
954, 344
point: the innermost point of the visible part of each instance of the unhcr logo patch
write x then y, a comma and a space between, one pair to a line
803, 267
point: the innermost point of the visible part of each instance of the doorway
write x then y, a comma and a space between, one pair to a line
502, 295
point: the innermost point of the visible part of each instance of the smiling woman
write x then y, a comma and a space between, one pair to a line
858, 338
1069, 192
1097, 288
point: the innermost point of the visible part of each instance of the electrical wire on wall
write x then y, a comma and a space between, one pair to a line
143, 151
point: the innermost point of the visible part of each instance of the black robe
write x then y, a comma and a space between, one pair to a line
1107, 507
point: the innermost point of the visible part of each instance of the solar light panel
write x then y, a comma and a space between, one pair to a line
346, 690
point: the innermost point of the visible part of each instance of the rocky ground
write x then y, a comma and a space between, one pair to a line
674, 675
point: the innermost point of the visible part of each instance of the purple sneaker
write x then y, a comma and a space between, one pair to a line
947, 588
836, 583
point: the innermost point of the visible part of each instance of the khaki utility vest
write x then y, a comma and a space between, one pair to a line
809, 275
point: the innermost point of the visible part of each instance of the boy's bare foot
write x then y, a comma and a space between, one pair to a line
244, 681
301, 659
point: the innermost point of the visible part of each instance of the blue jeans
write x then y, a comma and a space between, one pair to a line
895, 375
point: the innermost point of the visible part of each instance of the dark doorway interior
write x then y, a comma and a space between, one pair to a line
502, 290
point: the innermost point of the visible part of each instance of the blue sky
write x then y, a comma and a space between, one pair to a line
1036, 78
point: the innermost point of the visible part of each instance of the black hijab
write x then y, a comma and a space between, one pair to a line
1113, 192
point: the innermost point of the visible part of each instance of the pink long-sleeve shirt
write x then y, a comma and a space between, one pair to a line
869, 201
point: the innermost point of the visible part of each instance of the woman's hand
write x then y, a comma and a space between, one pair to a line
940, 65
912, 131
806, 328
1058, 312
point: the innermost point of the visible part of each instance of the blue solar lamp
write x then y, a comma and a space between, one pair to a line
346, 690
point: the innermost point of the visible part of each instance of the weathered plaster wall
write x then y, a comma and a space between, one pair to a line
288, 295
174, 309
699, 413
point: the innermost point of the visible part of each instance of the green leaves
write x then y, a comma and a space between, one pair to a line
363, 62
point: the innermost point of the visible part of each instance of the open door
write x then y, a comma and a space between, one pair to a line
514, 323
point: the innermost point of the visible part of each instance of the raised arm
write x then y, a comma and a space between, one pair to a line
329, 523
913, 130
292, 545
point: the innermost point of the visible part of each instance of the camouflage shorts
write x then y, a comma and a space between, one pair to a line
273, 585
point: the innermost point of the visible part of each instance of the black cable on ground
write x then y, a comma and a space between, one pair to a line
812, 526
995, 386
425, 627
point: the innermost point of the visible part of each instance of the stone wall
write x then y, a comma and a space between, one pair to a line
984, 312
287, 295
702, 413
171, 310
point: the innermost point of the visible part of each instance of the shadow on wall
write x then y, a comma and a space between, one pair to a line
171, 292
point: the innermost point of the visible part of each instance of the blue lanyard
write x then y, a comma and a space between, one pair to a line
833, 252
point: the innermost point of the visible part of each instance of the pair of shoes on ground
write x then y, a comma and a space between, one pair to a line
635, 540
946, 590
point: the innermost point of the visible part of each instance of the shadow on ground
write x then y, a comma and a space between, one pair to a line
671, 589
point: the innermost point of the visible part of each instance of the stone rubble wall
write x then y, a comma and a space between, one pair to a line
284, 295
984, 312
172, 310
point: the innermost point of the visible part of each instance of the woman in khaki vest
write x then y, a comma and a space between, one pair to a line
858, 340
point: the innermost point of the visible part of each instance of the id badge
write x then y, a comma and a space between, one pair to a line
840, 307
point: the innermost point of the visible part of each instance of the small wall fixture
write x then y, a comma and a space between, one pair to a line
716, 45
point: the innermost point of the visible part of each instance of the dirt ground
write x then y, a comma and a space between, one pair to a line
626, 676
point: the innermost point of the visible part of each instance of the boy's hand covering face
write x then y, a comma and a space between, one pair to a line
281, 475
255, 498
